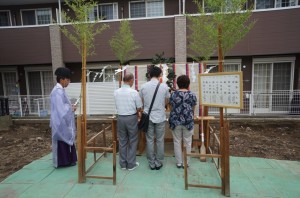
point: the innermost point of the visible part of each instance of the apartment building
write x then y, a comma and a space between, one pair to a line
32, 46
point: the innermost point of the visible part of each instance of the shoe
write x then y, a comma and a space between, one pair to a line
123, 168
152, 168
136, 165
158, 167
187, 165
179, 165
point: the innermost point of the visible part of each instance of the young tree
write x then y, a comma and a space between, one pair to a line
124, 45
82, 35
160, 59
220, 30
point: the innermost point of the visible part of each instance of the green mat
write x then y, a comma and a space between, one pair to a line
249, 177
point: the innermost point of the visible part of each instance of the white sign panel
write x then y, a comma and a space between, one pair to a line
224, 89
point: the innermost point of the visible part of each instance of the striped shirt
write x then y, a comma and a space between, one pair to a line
127, 100
157, 114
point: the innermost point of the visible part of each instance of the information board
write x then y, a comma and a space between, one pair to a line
223, 89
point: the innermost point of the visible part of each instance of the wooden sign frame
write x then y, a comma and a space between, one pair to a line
222, 89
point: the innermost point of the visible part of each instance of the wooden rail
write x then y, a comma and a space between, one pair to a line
90, 145
222, 155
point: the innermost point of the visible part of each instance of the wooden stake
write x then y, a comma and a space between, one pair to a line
202, 148
226, 161
114, 162
79, 150
185, 168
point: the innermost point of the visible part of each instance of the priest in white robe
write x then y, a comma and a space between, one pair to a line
62, 122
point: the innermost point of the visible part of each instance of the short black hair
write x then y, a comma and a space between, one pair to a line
155, 72
62, 73
183, 82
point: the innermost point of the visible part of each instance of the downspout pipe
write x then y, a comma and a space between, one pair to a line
59, 11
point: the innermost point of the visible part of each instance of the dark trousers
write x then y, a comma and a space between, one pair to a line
66, 154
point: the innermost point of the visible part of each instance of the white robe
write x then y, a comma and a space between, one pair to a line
62, 121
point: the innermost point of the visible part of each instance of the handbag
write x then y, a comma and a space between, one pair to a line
144, 121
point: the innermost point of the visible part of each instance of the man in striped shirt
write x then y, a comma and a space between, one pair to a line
128, 103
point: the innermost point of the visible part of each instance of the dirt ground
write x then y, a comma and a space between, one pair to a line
267, 139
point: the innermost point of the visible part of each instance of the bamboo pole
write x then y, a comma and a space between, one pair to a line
226, 160
83, 153
83, 88
120, 76
79, 152
114, 162
220, 61
224, 175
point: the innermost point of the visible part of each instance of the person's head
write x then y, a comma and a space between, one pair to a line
183, 82
128, 79
63, 76
155, 72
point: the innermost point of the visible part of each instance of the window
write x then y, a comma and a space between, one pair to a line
285, 3
39, 82
266, 4
8, 83
225, 6
148, 8
96, 75
154, 8
271, 78
43, 16
137, 9
5, 18
106, 11
36, 17
1, 87
229, 66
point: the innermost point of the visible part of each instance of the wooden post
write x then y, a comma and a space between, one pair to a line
104, 138
83, 150
223, 131
114, 129
114, 162
206, 128
226, 160
83, 89
222, 159
136, 78
220, 60
94, 144
185, 168
79, 152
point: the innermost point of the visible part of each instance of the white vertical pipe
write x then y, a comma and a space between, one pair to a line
59, 11
183, 7
180, 6
20, 106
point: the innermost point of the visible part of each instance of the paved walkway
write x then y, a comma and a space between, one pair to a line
250, 177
